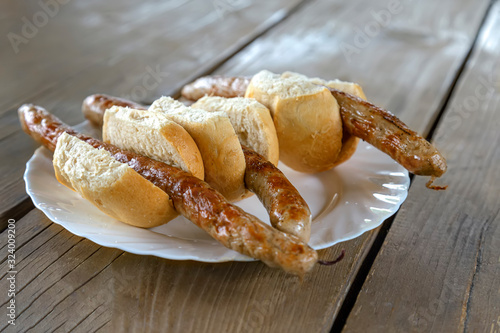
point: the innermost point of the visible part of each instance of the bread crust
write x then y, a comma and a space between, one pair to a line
307, 121
219, 146
153, 135
349, 141
251, 121
123, 195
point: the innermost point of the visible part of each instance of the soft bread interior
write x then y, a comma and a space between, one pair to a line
113, 187
82, 166
153, 135
348, 87
219, 146
283, 87
251, 121
306, 118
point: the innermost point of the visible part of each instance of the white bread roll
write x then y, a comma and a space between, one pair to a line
214, 135
349, 142
251, 121
113, 187
306, 117
153, 135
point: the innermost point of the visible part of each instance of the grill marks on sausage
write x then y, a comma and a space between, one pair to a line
287, 210
390, 135
362, 119
193, 198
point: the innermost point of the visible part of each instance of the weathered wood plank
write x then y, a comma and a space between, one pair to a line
439, 266
32, 225
250, 296
143, 293
321, 55
135, 51
181, 37
75, 299
52, 278
230, 297
404, 54
15, 213
30, 265
411, 76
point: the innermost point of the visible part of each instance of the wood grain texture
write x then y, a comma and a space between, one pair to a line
407, 68
439, 268
181, 37
126, 49
24, 232
53, 274
231, 297
16, 212
146, 294
70, 283
406, 64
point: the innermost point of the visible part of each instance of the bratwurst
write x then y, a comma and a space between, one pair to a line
389, 134
93, 104
193, 198
216, 86
360, 118
287, 210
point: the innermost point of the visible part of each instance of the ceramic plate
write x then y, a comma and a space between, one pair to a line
345, 202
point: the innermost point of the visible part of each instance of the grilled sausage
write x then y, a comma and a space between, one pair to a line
191, 197
287, 210
375, 125
217, 86
93, 106
389, 134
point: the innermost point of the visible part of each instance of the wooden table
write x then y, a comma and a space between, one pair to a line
435, 266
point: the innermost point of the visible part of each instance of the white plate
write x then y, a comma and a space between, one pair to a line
345, 202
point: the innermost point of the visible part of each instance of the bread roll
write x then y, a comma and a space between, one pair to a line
349, 142
251, 121
306, 118
113, 187
153, 135
214, 135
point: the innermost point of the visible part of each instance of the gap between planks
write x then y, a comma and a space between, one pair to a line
367, 264
479, 258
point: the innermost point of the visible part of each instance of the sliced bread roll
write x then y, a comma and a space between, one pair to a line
306, 118
153, 135
113, 187
214, 135
349, 142
251, 121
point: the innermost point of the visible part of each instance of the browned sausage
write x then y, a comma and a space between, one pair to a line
216, 86
287, 210
93, 106
389, 134
191, 197
375, 125
42, 126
